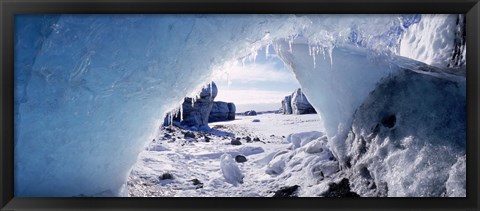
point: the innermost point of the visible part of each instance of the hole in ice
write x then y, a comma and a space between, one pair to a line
389, 121
165, 176
365, 173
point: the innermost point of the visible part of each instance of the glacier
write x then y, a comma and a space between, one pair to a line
91, 90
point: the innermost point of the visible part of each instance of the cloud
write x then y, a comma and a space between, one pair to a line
264, 72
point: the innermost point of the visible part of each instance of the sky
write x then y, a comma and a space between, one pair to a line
258, 84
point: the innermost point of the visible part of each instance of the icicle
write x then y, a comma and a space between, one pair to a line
176, 111
324, 53
193, 100
278, 49
181, 113
290, 42
266, 51
330, 53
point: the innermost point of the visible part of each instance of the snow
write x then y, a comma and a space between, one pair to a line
213, 165
230, 170
269, 125
301, 139
91, 90
431, 41
456, 184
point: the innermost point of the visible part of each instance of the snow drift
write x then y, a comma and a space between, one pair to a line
90, 90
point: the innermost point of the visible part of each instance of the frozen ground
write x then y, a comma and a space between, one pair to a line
272, 124
187, 159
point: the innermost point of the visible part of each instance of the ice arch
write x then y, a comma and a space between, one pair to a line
90, 89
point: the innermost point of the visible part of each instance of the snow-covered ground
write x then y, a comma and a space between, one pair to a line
201, 168
272, 124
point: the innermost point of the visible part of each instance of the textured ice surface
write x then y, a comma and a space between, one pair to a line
90, 90
434, 40
230, 170
390, 153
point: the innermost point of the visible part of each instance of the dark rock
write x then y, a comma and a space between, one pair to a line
165, 176
236, 142
342, 189
256, 120
248, 139
189, 135
250, 113
256, 139
167, 135
240, 159
197, 183
286, 191
207, 139
170, 130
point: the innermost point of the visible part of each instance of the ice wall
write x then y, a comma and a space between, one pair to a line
94, 91
94, 88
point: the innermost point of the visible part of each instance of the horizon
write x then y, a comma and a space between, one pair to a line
259, 83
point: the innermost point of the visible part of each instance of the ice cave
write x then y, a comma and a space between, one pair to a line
91, 90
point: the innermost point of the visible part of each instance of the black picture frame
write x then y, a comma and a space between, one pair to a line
8, 8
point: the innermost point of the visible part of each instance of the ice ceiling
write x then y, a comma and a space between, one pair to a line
91, 90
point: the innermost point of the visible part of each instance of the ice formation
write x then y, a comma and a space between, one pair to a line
437, 40
312, 166
390, 154
230, 170
90, 90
